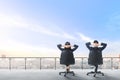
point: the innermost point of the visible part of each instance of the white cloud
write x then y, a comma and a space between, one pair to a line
49, 32
8, 22
113, 47
6, 44
43, 30
85, 38
11, 21
14, 48
66, 35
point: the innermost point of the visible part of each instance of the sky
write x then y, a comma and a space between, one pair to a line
35, 27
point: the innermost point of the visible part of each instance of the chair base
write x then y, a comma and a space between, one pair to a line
95, 73
65, 73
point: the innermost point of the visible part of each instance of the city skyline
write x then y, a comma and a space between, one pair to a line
34, 28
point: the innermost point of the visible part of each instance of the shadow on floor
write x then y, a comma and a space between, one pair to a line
90, 77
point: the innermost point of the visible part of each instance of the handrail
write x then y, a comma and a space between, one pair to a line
10, 63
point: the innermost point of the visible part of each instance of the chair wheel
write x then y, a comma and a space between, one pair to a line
87, 73
73, 74
65, 75
102, 74
94, 75
59, 73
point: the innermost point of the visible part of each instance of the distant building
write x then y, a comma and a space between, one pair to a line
119, 57
119, 61
3, 56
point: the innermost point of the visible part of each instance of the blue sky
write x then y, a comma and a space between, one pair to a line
35, 27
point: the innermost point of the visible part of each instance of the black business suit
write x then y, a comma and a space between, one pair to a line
67, 56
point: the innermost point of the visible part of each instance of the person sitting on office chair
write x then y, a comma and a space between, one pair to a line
67, 57
95, 55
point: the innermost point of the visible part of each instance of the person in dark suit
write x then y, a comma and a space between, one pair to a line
95, 54
67, 57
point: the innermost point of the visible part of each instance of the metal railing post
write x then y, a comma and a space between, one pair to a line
25, 63
9, 63
82, 64
55, 63
40, 64
111, 63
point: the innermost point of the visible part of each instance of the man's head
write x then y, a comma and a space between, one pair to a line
95, 43
67, 45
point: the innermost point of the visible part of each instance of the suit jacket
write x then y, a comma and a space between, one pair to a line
67, 56
95, 54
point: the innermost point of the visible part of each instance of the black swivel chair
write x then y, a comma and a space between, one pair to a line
95, 57
67, 57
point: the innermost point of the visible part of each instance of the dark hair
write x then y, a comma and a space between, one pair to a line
95, 41
67, 43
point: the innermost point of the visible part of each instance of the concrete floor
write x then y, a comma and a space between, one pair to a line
54, 75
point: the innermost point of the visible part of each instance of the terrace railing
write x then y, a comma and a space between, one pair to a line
53, 63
